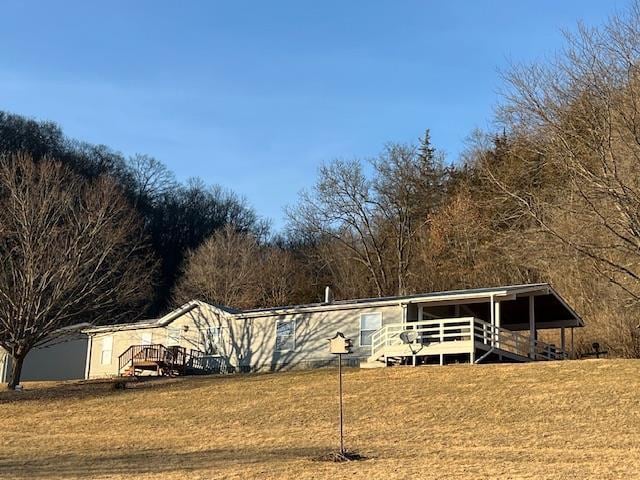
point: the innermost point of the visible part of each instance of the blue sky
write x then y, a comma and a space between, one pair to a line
255, 95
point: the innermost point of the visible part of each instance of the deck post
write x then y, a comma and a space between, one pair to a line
563, 343
573, 352
441, 359
496, 306
533, 335
472, 331
492, 313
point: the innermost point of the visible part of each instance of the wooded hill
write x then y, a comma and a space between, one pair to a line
553, 195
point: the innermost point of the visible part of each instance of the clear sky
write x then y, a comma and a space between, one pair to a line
255, 95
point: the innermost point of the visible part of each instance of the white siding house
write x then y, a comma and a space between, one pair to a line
478, 325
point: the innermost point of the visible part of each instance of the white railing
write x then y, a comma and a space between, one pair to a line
445, 330
424, 332
515, 342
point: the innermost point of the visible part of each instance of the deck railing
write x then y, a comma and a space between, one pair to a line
424, 332
439, 331
515, 342
174, 356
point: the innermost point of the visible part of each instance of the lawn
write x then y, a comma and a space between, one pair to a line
562, 420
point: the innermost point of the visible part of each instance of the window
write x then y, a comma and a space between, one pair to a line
145, 338
174, 335
285, 335
369, 323
211, 343
107, 350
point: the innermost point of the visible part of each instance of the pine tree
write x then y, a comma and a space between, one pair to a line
431, 177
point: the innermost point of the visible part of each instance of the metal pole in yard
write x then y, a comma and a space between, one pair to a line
339, 345
341, 412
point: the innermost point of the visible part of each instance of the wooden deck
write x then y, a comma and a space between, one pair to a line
159, 359
462, 339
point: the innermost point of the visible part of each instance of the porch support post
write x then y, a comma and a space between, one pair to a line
533, 334
563, 342
404, 312
496, 316
573, 352
492, 312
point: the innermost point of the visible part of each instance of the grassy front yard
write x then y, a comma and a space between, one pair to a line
564, 420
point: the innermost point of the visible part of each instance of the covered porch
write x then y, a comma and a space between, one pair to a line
483, 325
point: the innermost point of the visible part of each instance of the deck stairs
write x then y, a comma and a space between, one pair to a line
160, 360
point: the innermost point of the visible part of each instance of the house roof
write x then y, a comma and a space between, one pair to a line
162, 321
502, 292
416, 298
509, 292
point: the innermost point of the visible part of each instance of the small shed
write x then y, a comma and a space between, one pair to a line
64, 357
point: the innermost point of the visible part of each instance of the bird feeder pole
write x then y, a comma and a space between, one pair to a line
339, 345
341, 409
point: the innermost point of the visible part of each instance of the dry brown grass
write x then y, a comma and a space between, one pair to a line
568, 420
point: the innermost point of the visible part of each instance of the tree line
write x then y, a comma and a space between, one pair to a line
552, 195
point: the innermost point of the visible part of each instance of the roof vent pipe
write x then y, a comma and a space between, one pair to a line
328, 294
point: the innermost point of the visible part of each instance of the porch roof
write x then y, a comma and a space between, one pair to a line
550, 309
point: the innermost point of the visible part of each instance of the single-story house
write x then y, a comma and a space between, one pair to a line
476, 325
62, 357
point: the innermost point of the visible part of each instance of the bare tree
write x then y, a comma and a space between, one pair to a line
151, 178
222, 271
343, 207
583, 109
374, 219
410, 186
280, 277
70, 251
234, 269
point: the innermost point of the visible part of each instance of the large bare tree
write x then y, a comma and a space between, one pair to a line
234, 269
343, 208
374, 219
582, 111
70, 251
221, 271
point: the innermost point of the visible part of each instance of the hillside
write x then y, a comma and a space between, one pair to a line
554, 420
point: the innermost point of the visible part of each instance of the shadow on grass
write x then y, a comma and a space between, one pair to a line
86, 389
156, 461
72, 390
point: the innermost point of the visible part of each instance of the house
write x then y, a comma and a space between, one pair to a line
477, 325
62, 357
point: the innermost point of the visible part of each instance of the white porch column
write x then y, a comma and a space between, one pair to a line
563, 342
533, 334
492, 313
496, 317
404, 312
